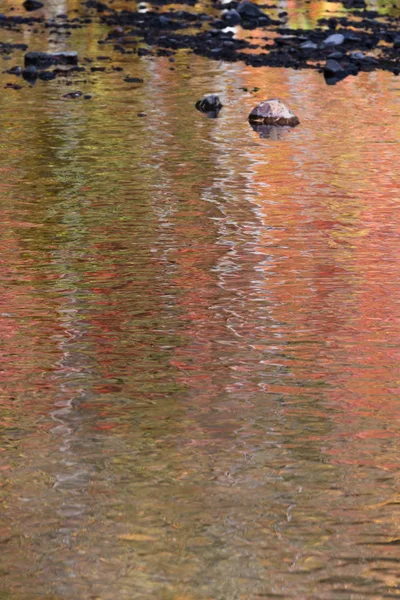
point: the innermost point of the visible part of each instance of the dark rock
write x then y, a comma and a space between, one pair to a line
357, 56
352, 37
248, 10
210, 105
309, 45
31, 5
87, 97
231, 17
15, 71
273, 112
333, 69
73, 95
46, 75
336, 55
13, 86
141, 114
30, 74
99, 6
129, 79
163, 21
42, 60
143, 52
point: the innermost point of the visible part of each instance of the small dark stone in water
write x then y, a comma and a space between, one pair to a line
248, 10
209, 104
42, 60
73, 95
309, 45
142, 114
336, 55
13, 86
273, 112
333, 69
87, 97
357, 56
30, 74
129, 79
99, 6
15, 71
231, 17
31, 5
144, 52
47, 75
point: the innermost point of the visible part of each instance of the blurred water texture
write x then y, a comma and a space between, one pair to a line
199, 337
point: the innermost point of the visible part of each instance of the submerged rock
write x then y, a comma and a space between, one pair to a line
273, 112
30, 74
210, 104
31, 5
42, 60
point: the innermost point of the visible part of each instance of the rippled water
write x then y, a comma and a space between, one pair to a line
199, 338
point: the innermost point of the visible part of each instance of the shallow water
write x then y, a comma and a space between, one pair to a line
199, 338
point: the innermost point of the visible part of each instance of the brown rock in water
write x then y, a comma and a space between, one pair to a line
273, 112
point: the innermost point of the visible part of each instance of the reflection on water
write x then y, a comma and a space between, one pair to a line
273, 132
200, 339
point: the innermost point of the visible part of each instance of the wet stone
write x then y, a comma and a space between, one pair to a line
30, 73
209, 104
73, 95
333, 69
31, 5
308, 46
15, 71
273, 112
42, 60
47, 75
129, 79
13, 86
248, 10
336, 39
357, 56
231, 17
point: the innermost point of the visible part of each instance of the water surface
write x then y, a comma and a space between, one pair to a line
199, 338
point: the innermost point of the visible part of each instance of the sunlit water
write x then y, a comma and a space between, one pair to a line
199, 338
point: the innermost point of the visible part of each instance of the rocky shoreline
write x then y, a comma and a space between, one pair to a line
363, 40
